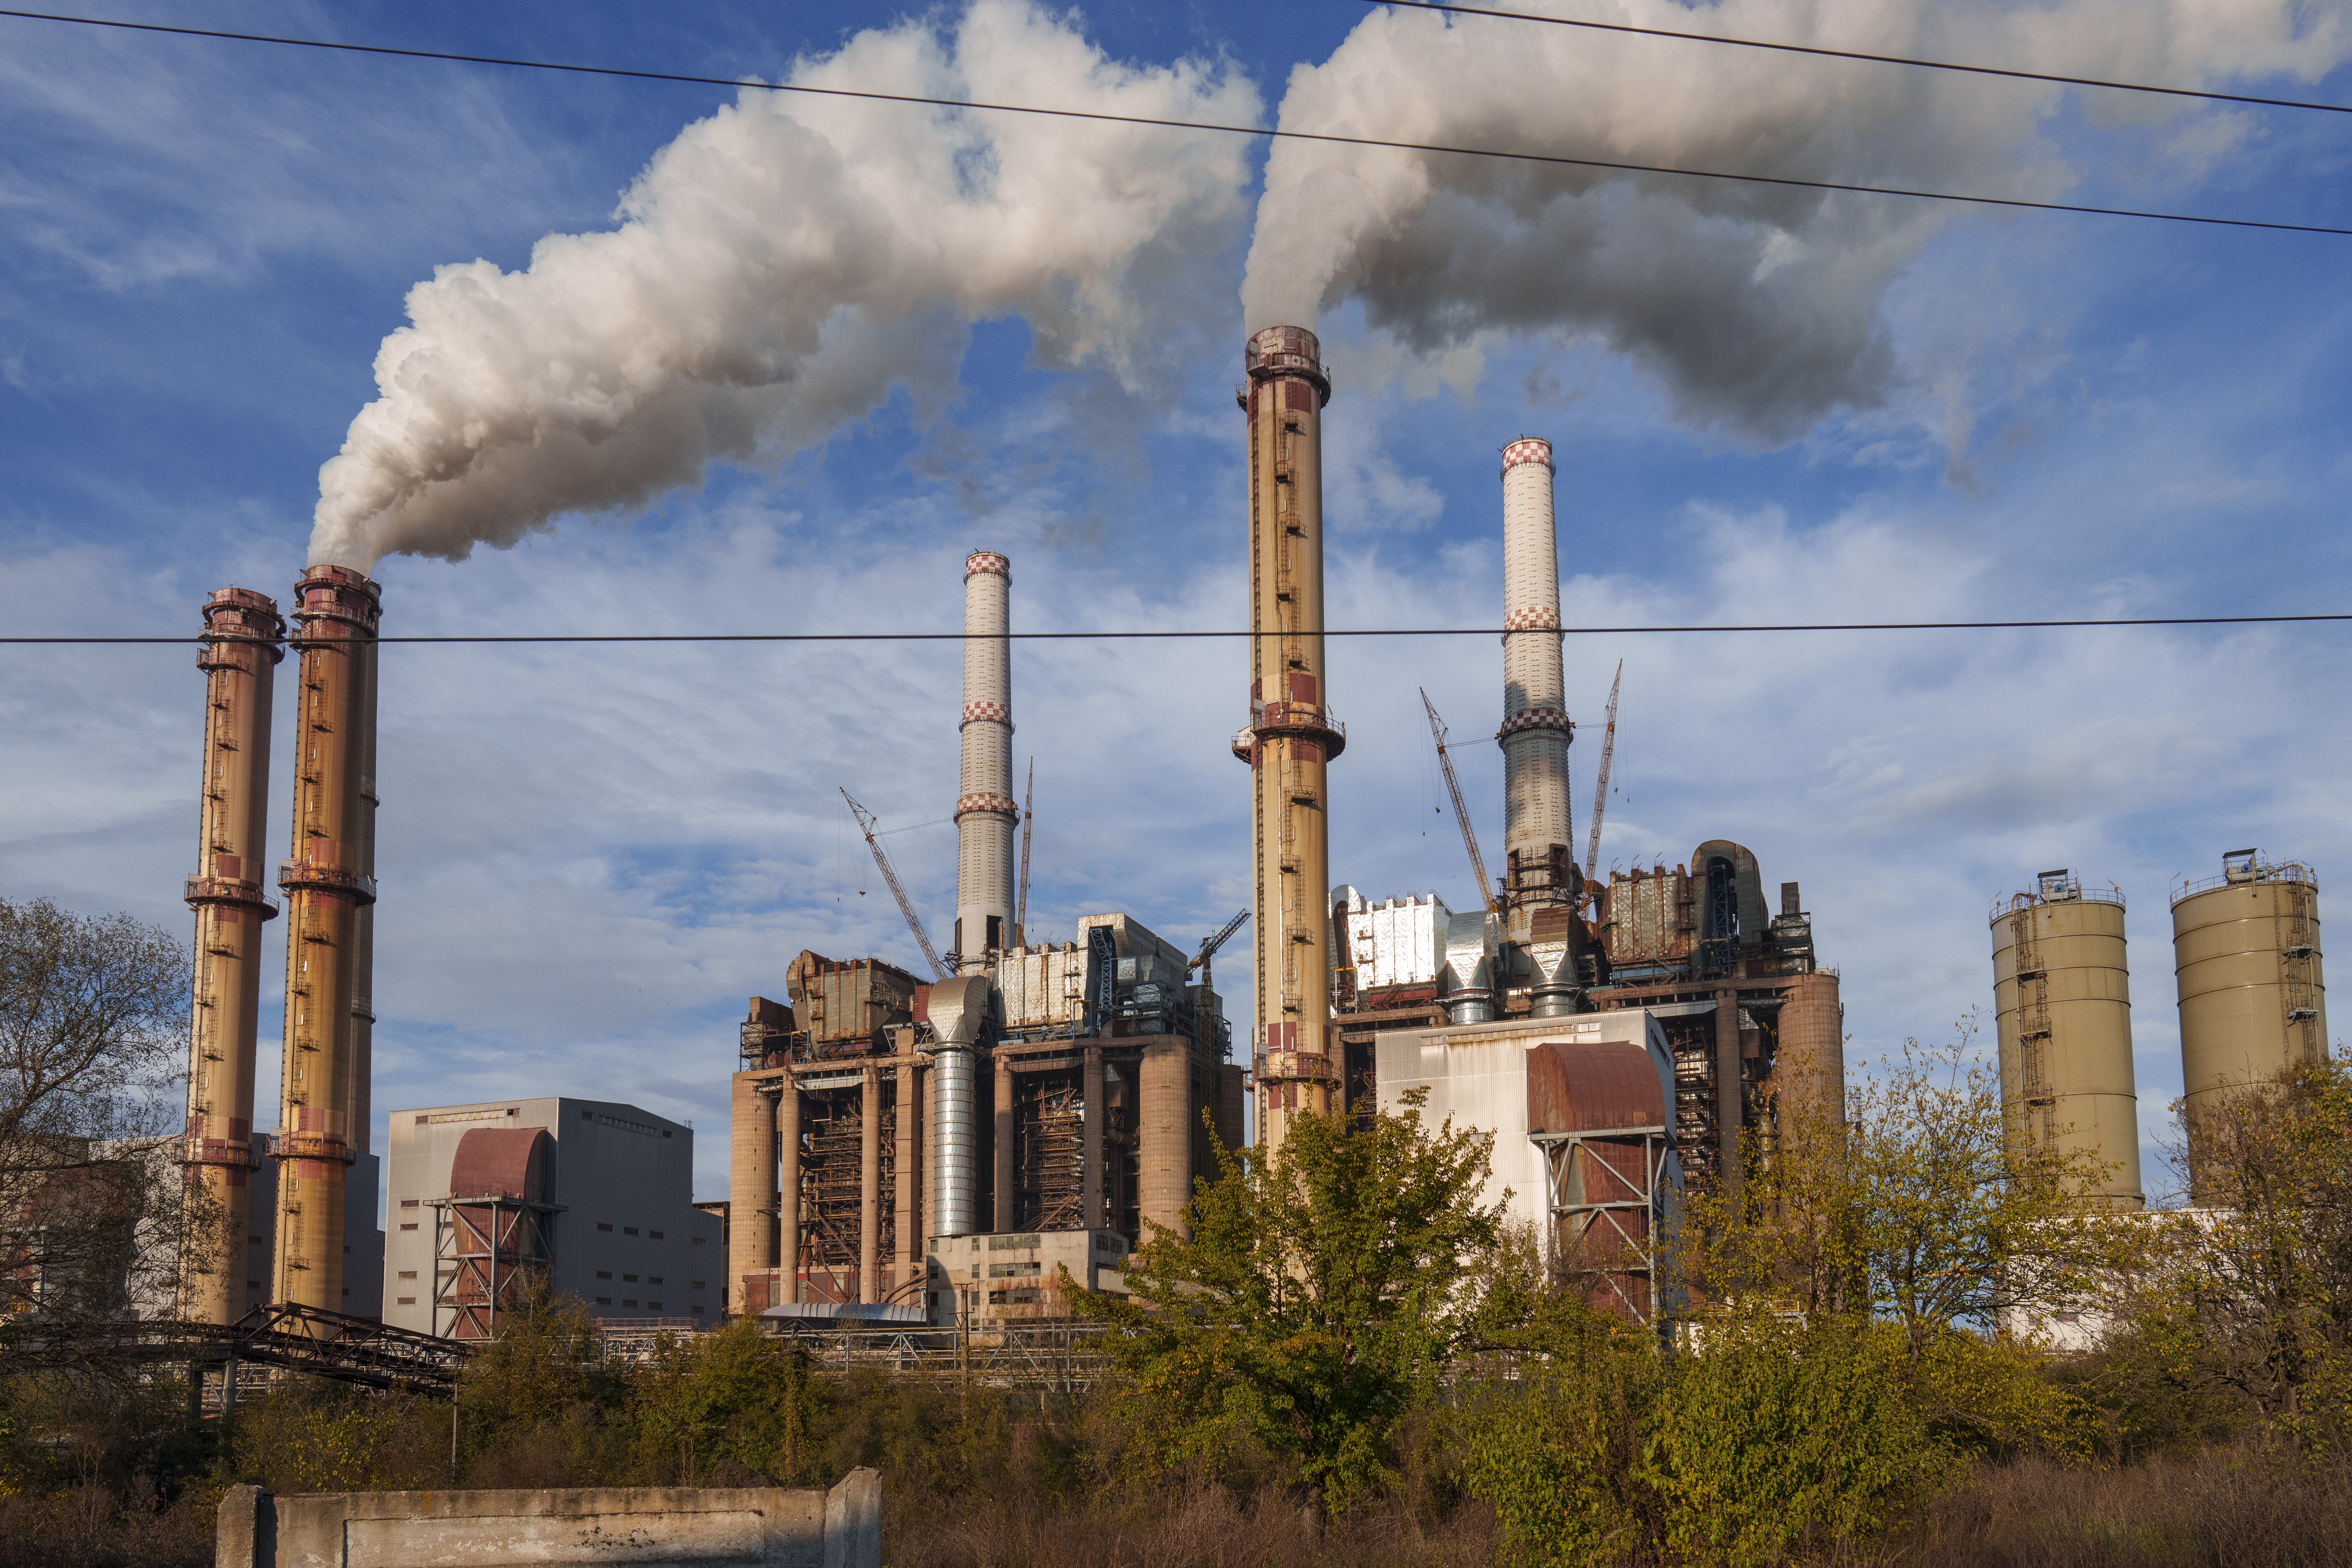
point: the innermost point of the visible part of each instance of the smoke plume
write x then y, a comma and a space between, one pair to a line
1757, 307
780, 265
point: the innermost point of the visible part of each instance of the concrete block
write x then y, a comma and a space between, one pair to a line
709, 1527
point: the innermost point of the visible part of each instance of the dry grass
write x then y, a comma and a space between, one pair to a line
2228, 1507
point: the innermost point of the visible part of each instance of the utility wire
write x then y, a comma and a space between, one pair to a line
1102, 116
1205, 636
1826, 52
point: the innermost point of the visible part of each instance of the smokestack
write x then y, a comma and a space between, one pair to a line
1291, 736
1535, 729
985, 812
242, 630
329, 885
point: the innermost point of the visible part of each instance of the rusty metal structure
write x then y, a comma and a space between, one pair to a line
1291, 738
2062, 1012
242, 639
1597, 1110
490, 1234
328, 880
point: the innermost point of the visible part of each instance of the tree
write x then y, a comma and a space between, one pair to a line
716, 1406
93, 1019
2250, 1298
1314, 1298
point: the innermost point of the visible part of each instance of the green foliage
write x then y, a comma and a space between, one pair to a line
1313, 1299
721, 1409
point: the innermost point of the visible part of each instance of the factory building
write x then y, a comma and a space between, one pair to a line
594, 1197
2062, 1012
1490, 1009
1054, 1093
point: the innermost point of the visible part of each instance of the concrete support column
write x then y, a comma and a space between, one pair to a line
907, 1260
788, 1203
1729, 1097
1090, 1183
869, 1188
1004, 1147
750, 1185
1165, 1180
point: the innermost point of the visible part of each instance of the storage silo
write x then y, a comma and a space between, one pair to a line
2062, 1007
2245, 949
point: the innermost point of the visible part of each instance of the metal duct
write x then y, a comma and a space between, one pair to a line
985, 812
326, 887
957, 1009
240, 654
1468, 977
1291, 736
1535, 729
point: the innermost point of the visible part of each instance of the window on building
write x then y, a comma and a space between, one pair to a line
408, 1203
694, 1285
652, 1278
626, 1302
404, 1300
654, 1234
408, 1225
700, 1239
654, 1306
630, 1279
629, 1230
409, 1274
604, 1300
603, 1274
698, 1309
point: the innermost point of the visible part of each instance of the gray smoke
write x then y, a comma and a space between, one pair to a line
1758, 308
783, 264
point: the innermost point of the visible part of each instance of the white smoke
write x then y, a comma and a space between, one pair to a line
1758, 307
785, 262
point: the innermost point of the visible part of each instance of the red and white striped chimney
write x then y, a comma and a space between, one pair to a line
1535, 729
985, 811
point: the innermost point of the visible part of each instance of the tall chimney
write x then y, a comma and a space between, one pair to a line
1291, 736
1535, 729
985, 812
328, 885
242, 631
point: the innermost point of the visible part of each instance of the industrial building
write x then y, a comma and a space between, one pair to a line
594, 1197
881, 1120
1726, 998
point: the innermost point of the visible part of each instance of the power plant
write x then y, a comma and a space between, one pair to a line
936, 1148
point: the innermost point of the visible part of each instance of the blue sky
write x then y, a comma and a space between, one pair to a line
1764, 412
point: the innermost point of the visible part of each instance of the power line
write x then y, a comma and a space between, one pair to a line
1184, 635
1101, 116
1827, 53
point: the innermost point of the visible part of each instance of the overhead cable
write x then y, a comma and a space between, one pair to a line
1826, 52
1101, 116
1132, 635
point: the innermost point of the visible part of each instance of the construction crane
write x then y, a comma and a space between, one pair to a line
1461, 812
906, 906
1600, 789
1208, 948
1021, 905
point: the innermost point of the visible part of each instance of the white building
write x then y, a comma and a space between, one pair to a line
599, 1194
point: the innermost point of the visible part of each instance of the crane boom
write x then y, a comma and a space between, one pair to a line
1200, 959
1600, 789
906, 906
1461, 812
1021, 905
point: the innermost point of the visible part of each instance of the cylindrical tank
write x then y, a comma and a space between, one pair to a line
1811, 1062
2061, 1008
242, 629
1164, 1136
1291, 737
326, 887
1536, 730
752, 1239
986, 813
2253, 1002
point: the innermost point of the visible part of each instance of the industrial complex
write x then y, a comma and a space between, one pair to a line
936, 1148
